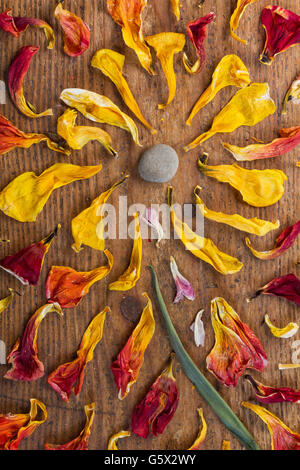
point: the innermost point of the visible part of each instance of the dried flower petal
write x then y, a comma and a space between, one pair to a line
158, 407
249, 106
202, 432
151, 218
282, 437
197, 328
256, 226
16, 74
76, 32
80, 442
16, 427
112, 443
129, 278
4, 303
236, 347
25, 196
88, 227
287, 287
286, 332
111, 64
259, 188
282, 29
265, 394
130, 359
26, 365
202, 248
237, 15
78, 136
16, 25
175, 8
292, 95
68, 377
288, 140
67, 286
183, 286
288, 366
231, 71
166, 45
128, 15
99, 108
196, 31
226, 445
282, 243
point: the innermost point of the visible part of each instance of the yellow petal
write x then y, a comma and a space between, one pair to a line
236, 16
175, 8
112, 443
255, 226
230, 71
132, 274
99, 108
286, 332
226, 445
87, 227
202, 433
78, 136
248, 107
203, 248
4, 303
288, 366
166, 45
111, 63
25, 196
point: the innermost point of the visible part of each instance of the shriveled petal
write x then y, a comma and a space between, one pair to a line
287, 287
292, 95
202, 432
80, 442
151, 218
67, 287
226, 445
288, 366
25, 196
4, 303
282, 437
183, 286
197, 328
196, 31
130, 359
265, 394
286, 332
113, 440
248, 107
236, 16
76, 32
26, 365
175, 8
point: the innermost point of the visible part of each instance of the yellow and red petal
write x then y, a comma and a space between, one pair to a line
196, 31
287, 287
265, 394
76, 32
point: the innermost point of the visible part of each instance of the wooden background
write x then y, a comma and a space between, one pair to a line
59, 338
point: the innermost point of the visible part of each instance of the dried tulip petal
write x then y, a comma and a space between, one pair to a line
231, 71
292, 95
112, 443
76, 32
255, 226
26, 365
202, 248
128, 15
130, 359
282, 29
287, 287
4, 303
286, 332
68, 377
183, 286
226, 445
16, 25
129, 278
259, 188
197, 328
265, 394
158, 407
282, 243
11, 137
16, 74
196, 31
288, 366
111, 64
249, 106
288, 140
151, 218
16, 427
175, 8
78, 136
67, 287
282, 437
99, 108
236, 346
80, 442
87, 227
237, 15
25, 196
166, 45
202, 432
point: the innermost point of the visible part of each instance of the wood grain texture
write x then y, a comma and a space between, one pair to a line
58, 340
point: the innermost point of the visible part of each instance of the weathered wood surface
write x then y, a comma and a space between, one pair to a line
58, 340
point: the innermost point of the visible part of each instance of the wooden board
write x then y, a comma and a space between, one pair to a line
59, 338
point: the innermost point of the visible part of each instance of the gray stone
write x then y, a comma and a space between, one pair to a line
158, 164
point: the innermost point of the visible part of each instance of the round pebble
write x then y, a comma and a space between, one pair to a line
158, 164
